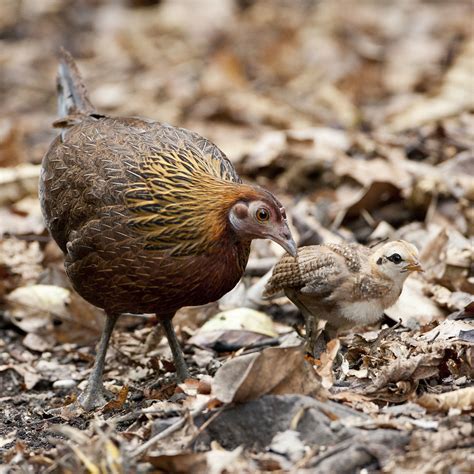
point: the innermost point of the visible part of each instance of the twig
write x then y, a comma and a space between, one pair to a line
247, 348
382, 334
206, 424
378, 242
171, 429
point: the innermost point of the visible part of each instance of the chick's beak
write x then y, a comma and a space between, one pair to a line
284, 238
414, 266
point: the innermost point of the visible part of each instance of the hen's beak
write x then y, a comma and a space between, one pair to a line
413, 266
285, 239
290, 246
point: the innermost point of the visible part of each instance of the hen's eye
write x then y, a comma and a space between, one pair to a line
262, 214
395, 258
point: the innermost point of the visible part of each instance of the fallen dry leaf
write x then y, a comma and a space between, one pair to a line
404, 373
118, 402
462, 399
360, 121
455, 96
327, 358
235, 328
18, 182
250, 376
53, 311
32, 307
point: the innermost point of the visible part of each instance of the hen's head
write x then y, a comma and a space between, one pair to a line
261, 216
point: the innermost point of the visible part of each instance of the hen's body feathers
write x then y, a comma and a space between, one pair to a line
140, 204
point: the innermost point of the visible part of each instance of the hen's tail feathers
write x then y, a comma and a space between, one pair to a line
73, 99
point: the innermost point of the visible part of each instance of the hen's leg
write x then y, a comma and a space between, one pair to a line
178, 357
93, 395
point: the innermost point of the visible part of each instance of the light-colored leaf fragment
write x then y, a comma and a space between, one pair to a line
30, 307
18, 182
327, 360
448, 329
462, 399
244, 319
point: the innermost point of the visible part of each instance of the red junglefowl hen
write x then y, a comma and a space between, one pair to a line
150, 217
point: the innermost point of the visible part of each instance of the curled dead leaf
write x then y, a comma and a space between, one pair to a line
404, 373
50, 310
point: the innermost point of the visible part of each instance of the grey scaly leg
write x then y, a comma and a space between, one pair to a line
178, 357
93, 396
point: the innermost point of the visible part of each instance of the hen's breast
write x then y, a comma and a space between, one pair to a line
121, 276
83, 190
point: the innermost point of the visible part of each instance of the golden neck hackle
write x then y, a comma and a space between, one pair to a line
182, 203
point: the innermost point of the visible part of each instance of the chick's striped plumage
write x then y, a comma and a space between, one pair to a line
140, 209
316, 269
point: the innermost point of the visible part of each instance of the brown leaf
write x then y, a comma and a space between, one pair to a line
275, 370
405, 370
118, 402
327, 358
216, 461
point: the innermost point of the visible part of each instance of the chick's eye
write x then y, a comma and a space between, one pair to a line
395, 258
262, 214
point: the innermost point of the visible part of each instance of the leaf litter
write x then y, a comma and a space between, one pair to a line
360, 120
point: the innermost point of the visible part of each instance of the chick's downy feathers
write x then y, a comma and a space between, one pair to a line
346, 285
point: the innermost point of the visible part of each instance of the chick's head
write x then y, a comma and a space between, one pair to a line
396, 260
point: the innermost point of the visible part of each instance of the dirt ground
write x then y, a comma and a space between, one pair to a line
358, 115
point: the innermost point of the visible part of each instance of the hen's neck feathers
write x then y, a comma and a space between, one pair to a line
182, 202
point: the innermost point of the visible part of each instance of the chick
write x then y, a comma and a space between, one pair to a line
343, 285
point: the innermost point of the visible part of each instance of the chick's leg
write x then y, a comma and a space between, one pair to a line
178, 357
315, 343
93, 395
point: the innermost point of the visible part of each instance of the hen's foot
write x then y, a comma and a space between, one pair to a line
92, 399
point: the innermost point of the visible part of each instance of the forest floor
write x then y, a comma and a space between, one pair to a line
358, 115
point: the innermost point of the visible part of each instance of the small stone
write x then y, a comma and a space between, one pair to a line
204, 387
63, 384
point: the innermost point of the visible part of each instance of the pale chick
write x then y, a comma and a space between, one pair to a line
345, 285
